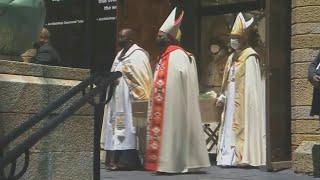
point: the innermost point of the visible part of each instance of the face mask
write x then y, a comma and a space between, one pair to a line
161, 42
122, 43
235, 44
214, 48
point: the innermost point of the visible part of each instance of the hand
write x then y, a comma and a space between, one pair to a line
315, 78
116, 82
219, 104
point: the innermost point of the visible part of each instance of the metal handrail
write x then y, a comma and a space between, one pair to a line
98, 84
4, 141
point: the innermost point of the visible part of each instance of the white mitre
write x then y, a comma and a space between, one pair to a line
240, 25
171, 25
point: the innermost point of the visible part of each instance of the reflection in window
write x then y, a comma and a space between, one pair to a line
215, 48
222, 2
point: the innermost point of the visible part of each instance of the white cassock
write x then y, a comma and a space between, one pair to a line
118, 132
227, 150
253, 151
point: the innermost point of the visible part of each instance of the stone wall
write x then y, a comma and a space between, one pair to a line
305, 45
67, 152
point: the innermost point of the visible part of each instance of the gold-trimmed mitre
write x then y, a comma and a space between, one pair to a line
240, 25
179, 34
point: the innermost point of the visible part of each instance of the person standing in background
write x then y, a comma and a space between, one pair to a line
45, 52
242, 136
118, 135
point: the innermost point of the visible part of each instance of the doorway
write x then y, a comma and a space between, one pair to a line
270, 37
278, 48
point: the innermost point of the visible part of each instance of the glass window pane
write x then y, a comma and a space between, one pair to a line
222, 2
215, 48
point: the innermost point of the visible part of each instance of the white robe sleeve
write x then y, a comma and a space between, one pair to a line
222, 98
195, 74
255, 115
140, 61
141, 71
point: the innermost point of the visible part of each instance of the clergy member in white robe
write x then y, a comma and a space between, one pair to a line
175, 137
118, 133
242, 136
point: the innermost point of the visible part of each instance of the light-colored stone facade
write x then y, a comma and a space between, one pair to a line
67, 152
302, 158
305, 44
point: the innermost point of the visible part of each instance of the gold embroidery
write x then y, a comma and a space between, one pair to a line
120, 122
136, 89
238, 27
239, 62
240, 71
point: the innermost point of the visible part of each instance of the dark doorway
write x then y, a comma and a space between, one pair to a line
278, 28
212, 22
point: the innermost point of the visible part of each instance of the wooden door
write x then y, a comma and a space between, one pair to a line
146, 17
278, 25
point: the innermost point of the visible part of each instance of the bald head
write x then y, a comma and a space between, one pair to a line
128, 33
44, 36
45, 33
127, 37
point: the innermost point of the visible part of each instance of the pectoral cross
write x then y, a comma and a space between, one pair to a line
233, 73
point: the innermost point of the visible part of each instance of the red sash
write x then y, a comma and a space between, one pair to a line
155, 129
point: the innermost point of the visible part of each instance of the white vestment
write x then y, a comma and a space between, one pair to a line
227, 148
254, 144
118, 132
182, 146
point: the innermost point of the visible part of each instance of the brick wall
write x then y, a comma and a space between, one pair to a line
305, 43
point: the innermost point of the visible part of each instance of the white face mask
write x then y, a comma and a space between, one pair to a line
214, 48
235, 44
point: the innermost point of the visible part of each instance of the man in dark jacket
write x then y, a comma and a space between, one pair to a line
314, 79
46, 54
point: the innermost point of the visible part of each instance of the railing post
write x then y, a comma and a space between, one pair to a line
1, 156
98, 119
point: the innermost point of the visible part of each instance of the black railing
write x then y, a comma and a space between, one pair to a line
96, 85
316, 160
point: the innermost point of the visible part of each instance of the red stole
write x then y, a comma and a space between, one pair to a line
157, 102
